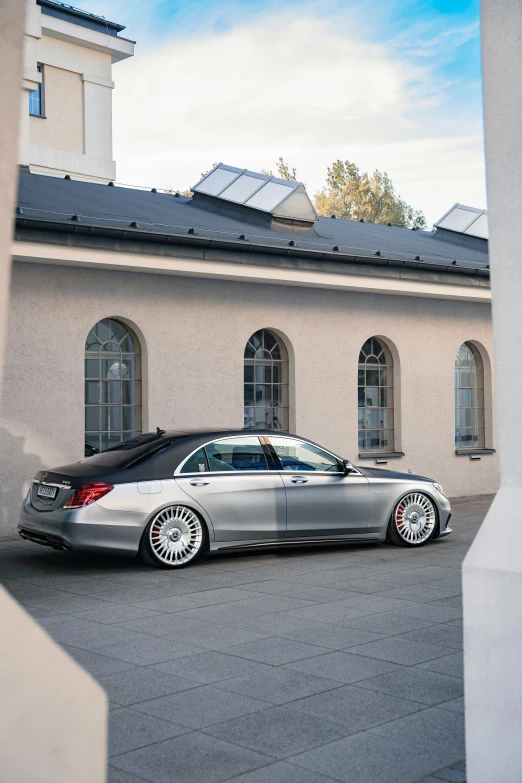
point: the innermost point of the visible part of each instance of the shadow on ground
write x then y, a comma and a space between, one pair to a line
307, 665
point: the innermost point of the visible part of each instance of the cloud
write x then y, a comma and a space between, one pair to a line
308, 88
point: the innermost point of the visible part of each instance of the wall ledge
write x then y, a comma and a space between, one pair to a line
381, 454
467, 452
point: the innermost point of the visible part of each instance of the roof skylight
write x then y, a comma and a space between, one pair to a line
215, 182
465, 220
263, 192
242, 188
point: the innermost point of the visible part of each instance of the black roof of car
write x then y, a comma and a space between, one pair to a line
187, 433
147, 457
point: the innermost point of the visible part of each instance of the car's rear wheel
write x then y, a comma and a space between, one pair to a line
413, 521
174, 538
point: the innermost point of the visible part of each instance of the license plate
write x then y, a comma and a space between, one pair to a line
47, 492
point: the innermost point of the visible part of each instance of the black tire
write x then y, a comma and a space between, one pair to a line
151, 554
396, 523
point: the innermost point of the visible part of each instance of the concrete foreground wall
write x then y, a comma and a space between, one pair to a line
53, 715
11, 69
53, 721
492, 570
193, 333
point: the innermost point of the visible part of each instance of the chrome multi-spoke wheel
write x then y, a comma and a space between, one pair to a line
414, 519
174, 537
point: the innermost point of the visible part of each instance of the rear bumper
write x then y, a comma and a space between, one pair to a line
90, 529
56, 542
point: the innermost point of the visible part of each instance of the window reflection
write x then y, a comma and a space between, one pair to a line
112, 385
469, 398
265, 383
236, 454
295, 455
375, 397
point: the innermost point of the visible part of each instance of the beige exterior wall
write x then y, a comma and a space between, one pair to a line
193, 333
75, 137
63, 124
71, 57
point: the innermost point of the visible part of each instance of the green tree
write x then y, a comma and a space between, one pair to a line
353, 195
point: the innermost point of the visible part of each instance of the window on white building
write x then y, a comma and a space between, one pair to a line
112, 385
36, 108
265, 382
375, 398
469, 398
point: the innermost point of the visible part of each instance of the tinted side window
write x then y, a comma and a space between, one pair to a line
236, 454
296, 455
197, 463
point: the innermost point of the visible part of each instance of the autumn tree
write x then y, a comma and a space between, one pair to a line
285, 172
353, 195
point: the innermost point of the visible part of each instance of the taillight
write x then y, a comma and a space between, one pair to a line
88, 494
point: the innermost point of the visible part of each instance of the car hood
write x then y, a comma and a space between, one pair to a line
383, 473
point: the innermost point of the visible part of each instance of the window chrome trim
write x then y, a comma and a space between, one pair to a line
252, 434
230, 473
52, 484
310, 443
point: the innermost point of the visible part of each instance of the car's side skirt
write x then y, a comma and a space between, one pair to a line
218, 546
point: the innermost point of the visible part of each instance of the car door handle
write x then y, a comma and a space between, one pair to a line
298, 480
199, 483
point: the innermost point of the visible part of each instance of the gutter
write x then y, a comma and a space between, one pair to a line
192, 238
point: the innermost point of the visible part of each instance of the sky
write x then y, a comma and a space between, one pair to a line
393, 85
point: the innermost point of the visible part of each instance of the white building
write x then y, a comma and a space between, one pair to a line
68, 73
133, 309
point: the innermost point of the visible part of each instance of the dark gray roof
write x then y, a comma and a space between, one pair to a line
59, 204
83, 18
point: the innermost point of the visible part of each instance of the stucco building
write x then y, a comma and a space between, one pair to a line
69, 55
132, 308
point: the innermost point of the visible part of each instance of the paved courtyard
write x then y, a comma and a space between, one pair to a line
303, 666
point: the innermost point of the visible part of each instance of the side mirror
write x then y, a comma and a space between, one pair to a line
348, 467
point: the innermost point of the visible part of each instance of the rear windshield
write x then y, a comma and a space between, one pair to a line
127, 453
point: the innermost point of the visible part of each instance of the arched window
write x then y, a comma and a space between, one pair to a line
469, 398
266, 382
375, 397
112, 385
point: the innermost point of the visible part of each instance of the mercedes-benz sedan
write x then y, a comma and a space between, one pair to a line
173, 495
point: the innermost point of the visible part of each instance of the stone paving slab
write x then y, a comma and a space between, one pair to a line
302, 666
420, 685
278, 731
278, 685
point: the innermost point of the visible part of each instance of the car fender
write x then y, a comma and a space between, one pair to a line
385, 494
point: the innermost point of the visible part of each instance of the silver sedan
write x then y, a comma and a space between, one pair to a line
170, 496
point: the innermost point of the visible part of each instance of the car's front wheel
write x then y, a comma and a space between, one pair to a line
413, 521
174, 538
